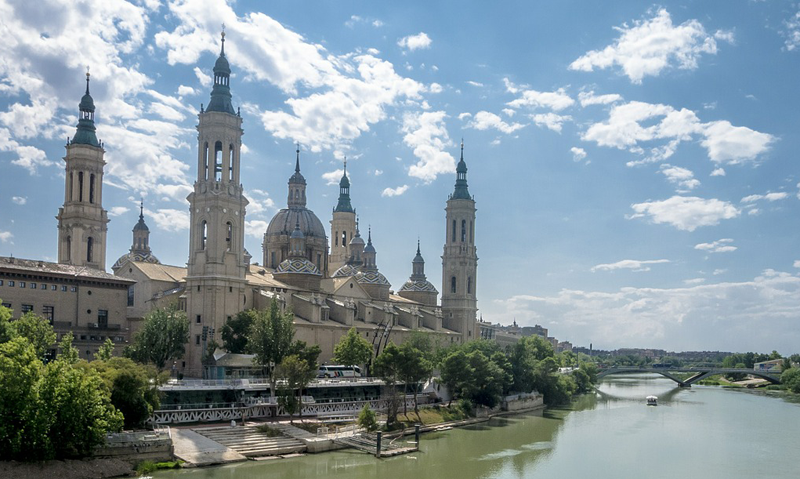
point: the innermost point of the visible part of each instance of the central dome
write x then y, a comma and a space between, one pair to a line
284, 221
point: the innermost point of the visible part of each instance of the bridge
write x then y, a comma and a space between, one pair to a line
699, 373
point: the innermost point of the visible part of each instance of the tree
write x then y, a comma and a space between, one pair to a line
414, 367
271, 339
162, 339
367, 419
236, 331
106, 350
352, 349
37, 330
388, 367
295, 375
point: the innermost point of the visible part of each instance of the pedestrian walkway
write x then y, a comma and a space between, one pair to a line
250, 442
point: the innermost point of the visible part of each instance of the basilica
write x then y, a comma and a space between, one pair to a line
329, 280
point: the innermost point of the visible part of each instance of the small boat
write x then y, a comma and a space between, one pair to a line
652, 401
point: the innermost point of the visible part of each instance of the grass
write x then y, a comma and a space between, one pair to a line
146, 467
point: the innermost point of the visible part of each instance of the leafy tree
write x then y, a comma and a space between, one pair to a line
352, 349
271, 339
368, 419
133, 387
295, 376
76, 408
388, 367
20, 372
162, 339
235, 332
106, 351
37, 330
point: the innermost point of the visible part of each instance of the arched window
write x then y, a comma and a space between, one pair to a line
91, 188
453, 284
80, 186
454, 232
218, 161
205, 160
463, 231
469, 285
230, 162
229, 235
203, 234
89, 249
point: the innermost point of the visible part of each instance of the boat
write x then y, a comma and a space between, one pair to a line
652, 401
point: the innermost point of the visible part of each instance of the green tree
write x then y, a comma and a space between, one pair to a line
294, 375
37, 330
161, 339
106, 351
236, 331
388, 366
271, 339
352, 349
368, 419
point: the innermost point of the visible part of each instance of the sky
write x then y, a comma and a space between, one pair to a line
634, 165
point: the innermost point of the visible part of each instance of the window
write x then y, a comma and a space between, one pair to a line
131, 294
453, 284
102, 319
22, 284
27, 308
33, 285
49, 312
89, 249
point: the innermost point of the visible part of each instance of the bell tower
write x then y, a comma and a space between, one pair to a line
215, 281
343, 225
82, 221
460, 259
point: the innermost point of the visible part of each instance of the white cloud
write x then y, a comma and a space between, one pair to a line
768, 197
118, 210
427, 135
485, 120
333, 177
554, 100
395, 191
720, 246
630, 125
19, 200
792, 32
632, 264
652, 45
589, 98
685, 212
415, 42
5, 237
739, 316
578, 154
550, 120
718, 172
681, 177
170, 219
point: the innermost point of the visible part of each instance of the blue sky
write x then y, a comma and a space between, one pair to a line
634, 165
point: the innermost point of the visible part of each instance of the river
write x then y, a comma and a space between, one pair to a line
695, 432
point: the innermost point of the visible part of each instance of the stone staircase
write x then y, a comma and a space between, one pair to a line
249, 442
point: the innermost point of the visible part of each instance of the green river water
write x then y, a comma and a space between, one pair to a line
701, 432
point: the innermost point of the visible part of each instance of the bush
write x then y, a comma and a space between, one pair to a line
367, 419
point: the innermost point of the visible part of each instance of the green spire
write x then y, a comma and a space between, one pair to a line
221, 93
344, 193
461, 192
85, 135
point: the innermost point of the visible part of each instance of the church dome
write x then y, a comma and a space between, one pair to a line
283, 223
372, 277
297, 266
